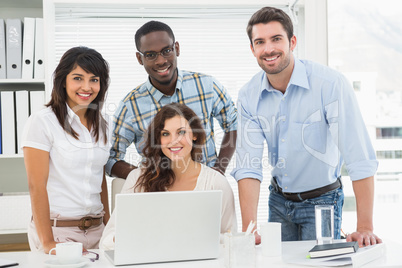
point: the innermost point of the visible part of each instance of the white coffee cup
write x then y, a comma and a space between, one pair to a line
271, 239
68, 253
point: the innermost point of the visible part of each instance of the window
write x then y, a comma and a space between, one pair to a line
212, 39
389, 154
361, 38
357, 85
389, 133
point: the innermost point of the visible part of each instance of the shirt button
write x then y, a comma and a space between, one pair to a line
283, 140
286, 187
286, 175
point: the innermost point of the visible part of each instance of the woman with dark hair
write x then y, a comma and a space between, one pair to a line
65, 149
173, 149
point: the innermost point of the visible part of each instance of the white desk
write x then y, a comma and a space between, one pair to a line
391, 259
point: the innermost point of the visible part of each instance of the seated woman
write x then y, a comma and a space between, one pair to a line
65, 149
172, 152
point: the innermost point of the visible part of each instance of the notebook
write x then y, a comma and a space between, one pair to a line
166, 226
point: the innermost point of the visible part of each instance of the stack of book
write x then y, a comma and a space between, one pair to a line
339, 253
333, 249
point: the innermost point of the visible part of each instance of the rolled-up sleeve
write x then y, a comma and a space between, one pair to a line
249, 144
224, 109
349, 131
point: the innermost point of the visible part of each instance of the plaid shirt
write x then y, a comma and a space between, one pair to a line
202, 93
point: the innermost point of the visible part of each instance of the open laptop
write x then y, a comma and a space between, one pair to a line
166, 226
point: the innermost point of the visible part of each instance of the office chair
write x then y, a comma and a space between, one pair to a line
117, 185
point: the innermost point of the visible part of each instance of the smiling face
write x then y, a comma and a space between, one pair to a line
177, 139
272, 48
81, 87
162, 71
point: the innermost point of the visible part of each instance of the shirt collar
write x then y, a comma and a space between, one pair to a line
299, 78
71, 115
156, 94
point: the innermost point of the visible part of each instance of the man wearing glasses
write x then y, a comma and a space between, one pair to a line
157, 51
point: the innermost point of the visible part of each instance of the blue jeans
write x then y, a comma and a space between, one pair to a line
298, 218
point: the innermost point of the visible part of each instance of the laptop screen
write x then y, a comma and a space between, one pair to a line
167, 226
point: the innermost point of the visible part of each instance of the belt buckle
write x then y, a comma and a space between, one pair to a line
83, 220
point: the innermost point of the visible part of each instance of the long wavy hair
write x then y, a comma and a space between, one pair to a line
157, 175
92, 62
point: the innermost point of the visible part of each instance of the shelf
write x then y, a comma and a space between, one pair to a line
13, 231
22, 81
16, 212
10, 156
22, 84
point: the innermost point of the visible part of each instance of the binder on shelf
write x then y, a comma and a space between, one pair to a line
39, 67
21, 114
36, 101
2, 50
7, 122
28, 46
1, 141
13, 48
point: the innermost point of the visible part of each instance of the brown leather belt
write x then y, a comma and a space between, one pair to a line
83, 223
298, 197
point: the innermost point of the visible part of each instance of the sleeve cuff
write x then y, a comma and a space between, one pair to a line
108, 167
35, 145
244, 173
232, 127
362, 169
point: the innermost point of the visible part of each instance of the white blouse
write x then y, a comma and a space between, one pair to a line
75, 166
209, 179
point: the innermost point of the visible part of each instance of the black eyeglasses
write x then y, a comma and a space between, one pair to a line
152, 55
94, 257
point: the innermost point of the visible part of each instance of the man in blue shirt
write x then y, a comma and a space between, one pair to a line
158, 52
308, 115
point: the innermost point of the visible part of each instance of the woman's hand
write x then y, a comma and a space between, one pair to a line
48, 246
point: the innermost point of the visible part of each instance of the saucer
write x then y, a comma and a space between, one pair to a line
54, 263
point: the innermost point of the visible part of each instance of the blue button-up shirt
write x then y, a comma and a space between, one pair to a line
310, 130
202, 93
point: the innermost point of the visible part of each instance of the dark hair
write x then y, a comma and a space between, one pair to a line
92, 62
149, 27
157, 174
268, 14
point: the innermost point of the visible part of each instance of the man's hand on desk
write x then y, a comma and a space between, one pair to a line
364, 238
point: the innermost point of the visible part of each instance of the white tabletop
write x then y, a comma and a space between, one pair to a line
290, 250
